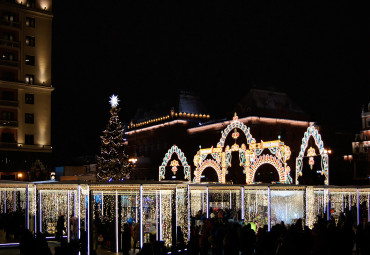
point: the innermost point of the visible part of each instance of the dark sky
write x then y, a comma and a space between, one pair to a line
143, 51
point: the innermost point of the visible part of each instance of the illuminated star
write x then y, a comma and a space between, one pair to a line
114, 101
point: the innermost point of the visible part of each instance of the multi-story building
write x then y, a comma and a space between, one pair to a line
361, 149
25, 86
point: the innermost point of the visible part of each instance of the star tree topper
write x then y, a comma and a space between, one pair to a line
113, 100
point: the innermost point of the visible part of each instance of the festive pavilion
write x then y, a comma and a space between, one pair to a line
163, 210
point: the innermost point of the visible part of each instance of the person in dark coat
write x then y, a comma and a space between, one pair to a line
126, 239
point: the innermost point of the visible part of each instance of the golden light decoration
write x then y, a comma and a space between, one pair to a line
174, 164
311, 153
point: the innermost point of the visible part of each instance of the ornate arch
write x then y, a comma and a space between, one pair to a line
208, 163
283, 171
312, 131
181, 157
235, 124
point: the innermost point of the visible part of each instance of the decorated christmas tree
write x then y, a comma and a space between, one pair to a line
113, 162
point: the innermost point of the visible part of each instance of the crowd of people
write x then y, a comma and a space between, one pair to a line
219, 235
224, 233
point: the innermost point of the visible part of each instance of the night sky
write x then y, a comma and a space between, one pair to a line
144, 51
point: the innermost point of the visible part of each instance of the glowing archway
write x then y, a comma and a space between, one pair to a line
235, 124
182, 158
207, 163
312, 131
282, 170
247, 154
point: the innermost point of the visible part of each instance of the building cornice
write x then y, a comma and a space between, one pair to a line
19, 85
170, 123
224, 124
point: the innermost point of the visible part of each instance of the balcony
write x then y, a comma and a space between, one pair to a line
10, 23
25, 147
12, 63
8, 123
9, 43
8, 103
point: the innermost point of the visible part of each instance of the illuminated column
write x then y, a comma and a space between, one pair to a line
35, 206
160, 217
327, 204
27, 209
116, 221
310, 205
68, 216
79, 212
102, 204
269, 208
87, 219
175, 227
40, 216
368, 208
141, 216
242, 204
189, 212
156, 216
358, 207
207, 204
14, 198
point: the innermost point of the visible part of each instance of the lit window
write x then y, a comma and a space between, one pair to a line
30, 60
29, 78
30, 22
30, 41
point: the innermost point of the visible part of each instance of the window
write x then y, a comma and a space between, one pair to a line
30, 3
7, 76
28, 139
29, 98
30, 22
29, 79
29, 118
30, 60
30, 41
8, 95
5, 115
7, 137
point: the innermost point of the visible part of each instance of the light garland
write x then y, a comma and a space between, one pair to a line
167, 117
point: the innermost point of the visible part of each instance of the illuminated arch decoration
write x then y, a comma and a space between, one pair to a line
248, 154
235, 124
274, 161
181, 157
208, 163
312, 131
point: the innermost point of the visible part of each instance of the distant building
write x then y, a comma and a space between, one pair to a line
361, 149
25, 88
185, 122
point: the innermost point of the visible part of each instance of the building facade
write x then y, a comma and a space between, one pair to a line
269, 115
361, 149
25, 87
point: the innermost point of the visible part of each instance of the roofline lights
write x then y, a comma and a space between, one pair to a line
221, 125
173, 114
